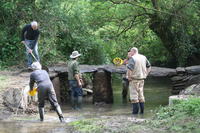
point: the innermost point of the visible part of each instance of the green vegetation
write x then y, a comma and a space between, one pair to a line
183, 117
166, 31
87, 125
111, 125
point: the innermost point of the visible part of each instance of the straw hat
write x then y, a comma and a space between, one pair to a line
75, 54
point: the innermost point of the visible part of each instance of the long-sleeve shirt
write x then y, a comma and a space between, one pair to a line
41, 77
30, 34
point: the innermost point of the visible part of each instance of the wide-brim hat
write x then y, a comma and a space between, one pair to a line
75, 54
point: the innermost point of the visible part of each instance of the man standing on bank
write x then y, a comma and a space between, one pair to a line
45, 90
138, 69
29, 38
75, 81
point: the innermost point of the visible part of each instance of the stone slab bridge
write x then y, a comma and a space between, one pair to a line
102, 85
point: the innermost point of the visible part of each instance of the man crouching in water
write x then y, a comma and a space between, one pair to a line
45, 90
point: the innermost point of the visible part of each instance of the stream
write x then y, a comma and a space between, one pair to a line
156, 91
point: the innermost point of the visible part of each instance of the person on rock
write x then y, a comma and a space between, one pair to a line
45, 90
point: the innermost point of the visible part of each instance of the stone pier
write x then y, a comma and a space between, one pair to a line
102, 87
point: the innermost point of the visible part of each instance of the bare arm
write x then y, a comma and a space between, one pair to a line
78, 79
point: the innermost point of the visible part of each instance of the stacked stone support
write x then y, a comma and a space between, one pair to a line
102, 87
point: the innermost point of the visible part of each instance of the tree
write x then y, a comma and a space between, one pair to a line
176, 23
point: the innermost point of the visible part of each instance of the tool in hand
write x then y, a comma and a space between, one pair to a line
31, 52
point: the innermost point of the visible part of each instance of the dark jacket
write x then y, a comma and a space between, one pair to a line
30, 34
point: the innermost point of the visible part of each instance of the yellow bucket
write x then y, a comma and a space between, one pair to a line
32, 92
118, 61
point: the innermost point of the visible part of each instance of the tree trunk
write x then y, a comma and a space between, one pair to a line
162, 27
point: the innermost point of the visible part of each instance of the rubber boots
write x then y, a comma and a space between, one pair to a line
60, 115
141, 108
79, 102
41, 112
135, 108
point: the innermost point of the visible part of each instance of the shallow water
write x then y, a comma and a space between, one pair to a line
156, 91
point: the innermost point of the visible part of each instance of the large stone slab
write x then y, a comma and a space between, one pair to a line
155, 72
162, 72
193, 69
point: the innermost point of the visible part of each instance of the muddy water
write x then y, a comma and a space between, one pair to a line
157, 91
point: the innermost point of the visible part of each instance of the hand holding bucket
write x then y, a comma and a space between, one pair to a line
32, 92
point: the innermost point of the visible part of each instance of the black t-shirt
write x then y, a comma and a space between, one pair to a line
30, 34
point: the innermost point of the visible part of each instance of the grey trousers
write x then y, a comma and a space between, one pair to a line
46, 91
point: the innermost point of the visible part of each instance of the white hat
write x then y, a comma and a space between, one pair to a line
75, 54
36, 66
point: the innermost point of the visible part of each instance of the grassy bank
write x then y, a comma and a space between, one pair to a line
183, 117
114, 124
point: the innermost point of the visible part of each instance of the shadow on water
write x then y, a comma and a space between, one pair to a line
156, 91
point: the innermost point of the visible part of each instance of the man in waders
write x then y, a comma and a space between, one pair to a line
138, 69
29, 38
75, 81
45, 90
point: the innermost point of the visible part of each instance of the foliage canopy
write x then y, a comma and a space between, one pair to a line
166, 31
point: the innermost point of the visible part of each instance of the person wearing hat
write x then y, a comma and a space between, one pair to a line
75, 81
45, 90
29, 38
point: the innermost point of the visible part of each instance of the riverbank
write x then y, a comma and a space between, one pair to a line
5, 82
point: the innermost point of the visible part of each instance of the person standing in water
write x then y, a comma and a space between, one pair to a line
75, 80
138, 69
45, 90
